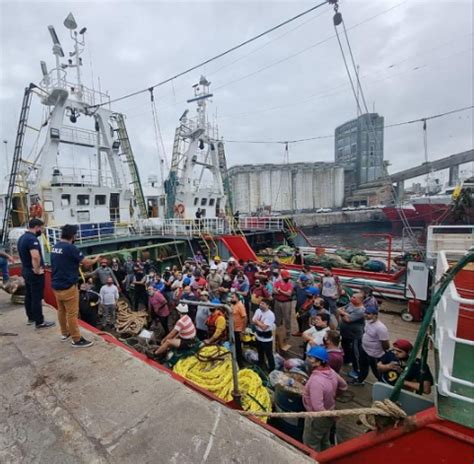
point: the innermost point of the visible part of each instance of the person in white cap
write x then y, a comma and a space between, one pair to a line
183, 335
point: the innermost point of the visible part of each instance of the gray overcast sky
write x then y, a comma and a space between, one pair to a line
415, 60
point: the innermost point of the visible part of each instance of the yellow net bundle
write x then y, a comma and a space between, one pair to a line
211, 368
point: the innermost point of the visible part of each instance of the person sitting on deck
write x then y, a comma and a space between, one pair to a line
216, 325
320, 394
394, 362
183, 335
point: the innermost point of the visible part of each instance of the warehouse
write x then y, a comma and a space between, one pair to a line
284, 188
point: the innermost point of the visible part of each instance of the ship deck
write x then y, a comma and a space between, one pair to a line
103, 405
361, 396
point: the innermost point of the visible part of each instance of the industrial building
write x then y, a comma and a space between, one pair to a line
286, 188
359, 148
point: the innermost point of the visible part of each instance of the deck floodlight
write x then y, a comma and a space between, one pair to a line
44, 69
54, 36
70, 22
83, 31
57, 50
116, 145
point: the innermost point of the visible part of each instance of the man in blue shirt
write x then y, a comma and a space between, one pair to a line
65, 261
32, 263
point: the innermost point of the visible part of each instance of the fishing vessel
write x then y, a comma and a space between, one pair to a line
453, 206
103, 194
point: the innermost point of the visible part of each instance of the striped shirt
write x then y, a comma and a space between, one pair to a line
185, 328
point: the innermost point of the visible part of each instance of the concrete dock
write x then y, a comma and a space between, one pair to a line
102, 405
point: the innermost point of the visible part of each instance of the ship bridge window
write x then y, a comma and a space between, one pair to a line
203, 201
100, 200
83, 200
212, 201
65, 200
196, 201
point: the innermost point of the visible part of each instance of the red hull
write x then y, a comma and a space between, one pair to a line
399, 216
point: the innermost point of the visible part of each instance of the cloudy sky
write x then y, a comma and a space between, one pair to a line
415, 60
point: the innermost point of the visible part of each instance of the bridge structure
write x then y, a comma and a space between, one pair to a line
451, 162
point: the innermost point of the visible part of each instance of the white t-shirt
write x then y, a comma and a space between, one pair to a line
329, 285
268, 318
317, 335
374, 334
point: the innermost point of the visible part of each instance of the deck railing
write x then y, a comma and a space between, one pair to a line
261, 223
453, 321
107, 231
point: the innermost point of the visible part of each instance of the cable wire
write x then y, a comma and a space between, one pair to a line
317, 137
220, 55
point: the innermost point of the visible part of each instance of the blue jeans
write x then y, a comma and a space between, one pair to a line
4, 268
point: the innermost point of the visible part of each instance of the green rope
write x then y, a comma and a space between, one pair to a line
446, 280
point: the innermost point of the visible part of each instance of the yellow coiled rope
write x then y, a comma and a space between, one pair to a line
211, 369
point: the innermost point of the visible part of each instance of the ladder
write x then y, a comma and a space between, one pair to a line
14, 173
132, 165
225, 176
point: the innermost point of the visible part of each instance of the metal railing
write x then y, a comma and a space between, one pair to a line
447, 319
153, 227
80, 92
261, 223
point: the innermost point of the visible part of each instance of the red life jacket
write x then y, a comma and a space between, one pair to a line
211, 325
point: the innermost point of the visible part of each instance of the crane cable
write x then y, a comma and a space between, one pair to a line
158, 136
369, 124
220, 55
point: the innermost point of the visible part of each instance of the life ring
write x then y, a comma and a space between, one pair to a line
179, 210
36, 210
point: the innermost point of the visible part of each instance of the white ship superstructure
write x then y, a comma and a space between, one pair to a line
84, 173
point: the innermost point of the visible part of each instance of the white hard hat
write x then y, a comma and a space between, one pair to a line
231, 259
182, 308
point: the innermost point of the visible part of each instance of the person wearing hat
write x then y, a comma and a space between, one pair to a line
282, 293
303, 313
183, 335
375, 342
351, 326
220, 266
102, 273
214, 280
65, 261
394, 362
257, 294
216, 325
319, 394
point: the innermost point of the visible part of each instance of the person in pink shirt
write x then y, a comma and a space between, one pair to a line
159, 309
320, 394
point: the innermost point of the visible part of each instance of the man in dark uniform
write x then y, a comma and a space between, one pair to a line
32, 263
65, 261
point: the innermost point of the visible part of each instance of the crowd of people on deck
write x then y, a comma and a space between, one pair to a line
334, 327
